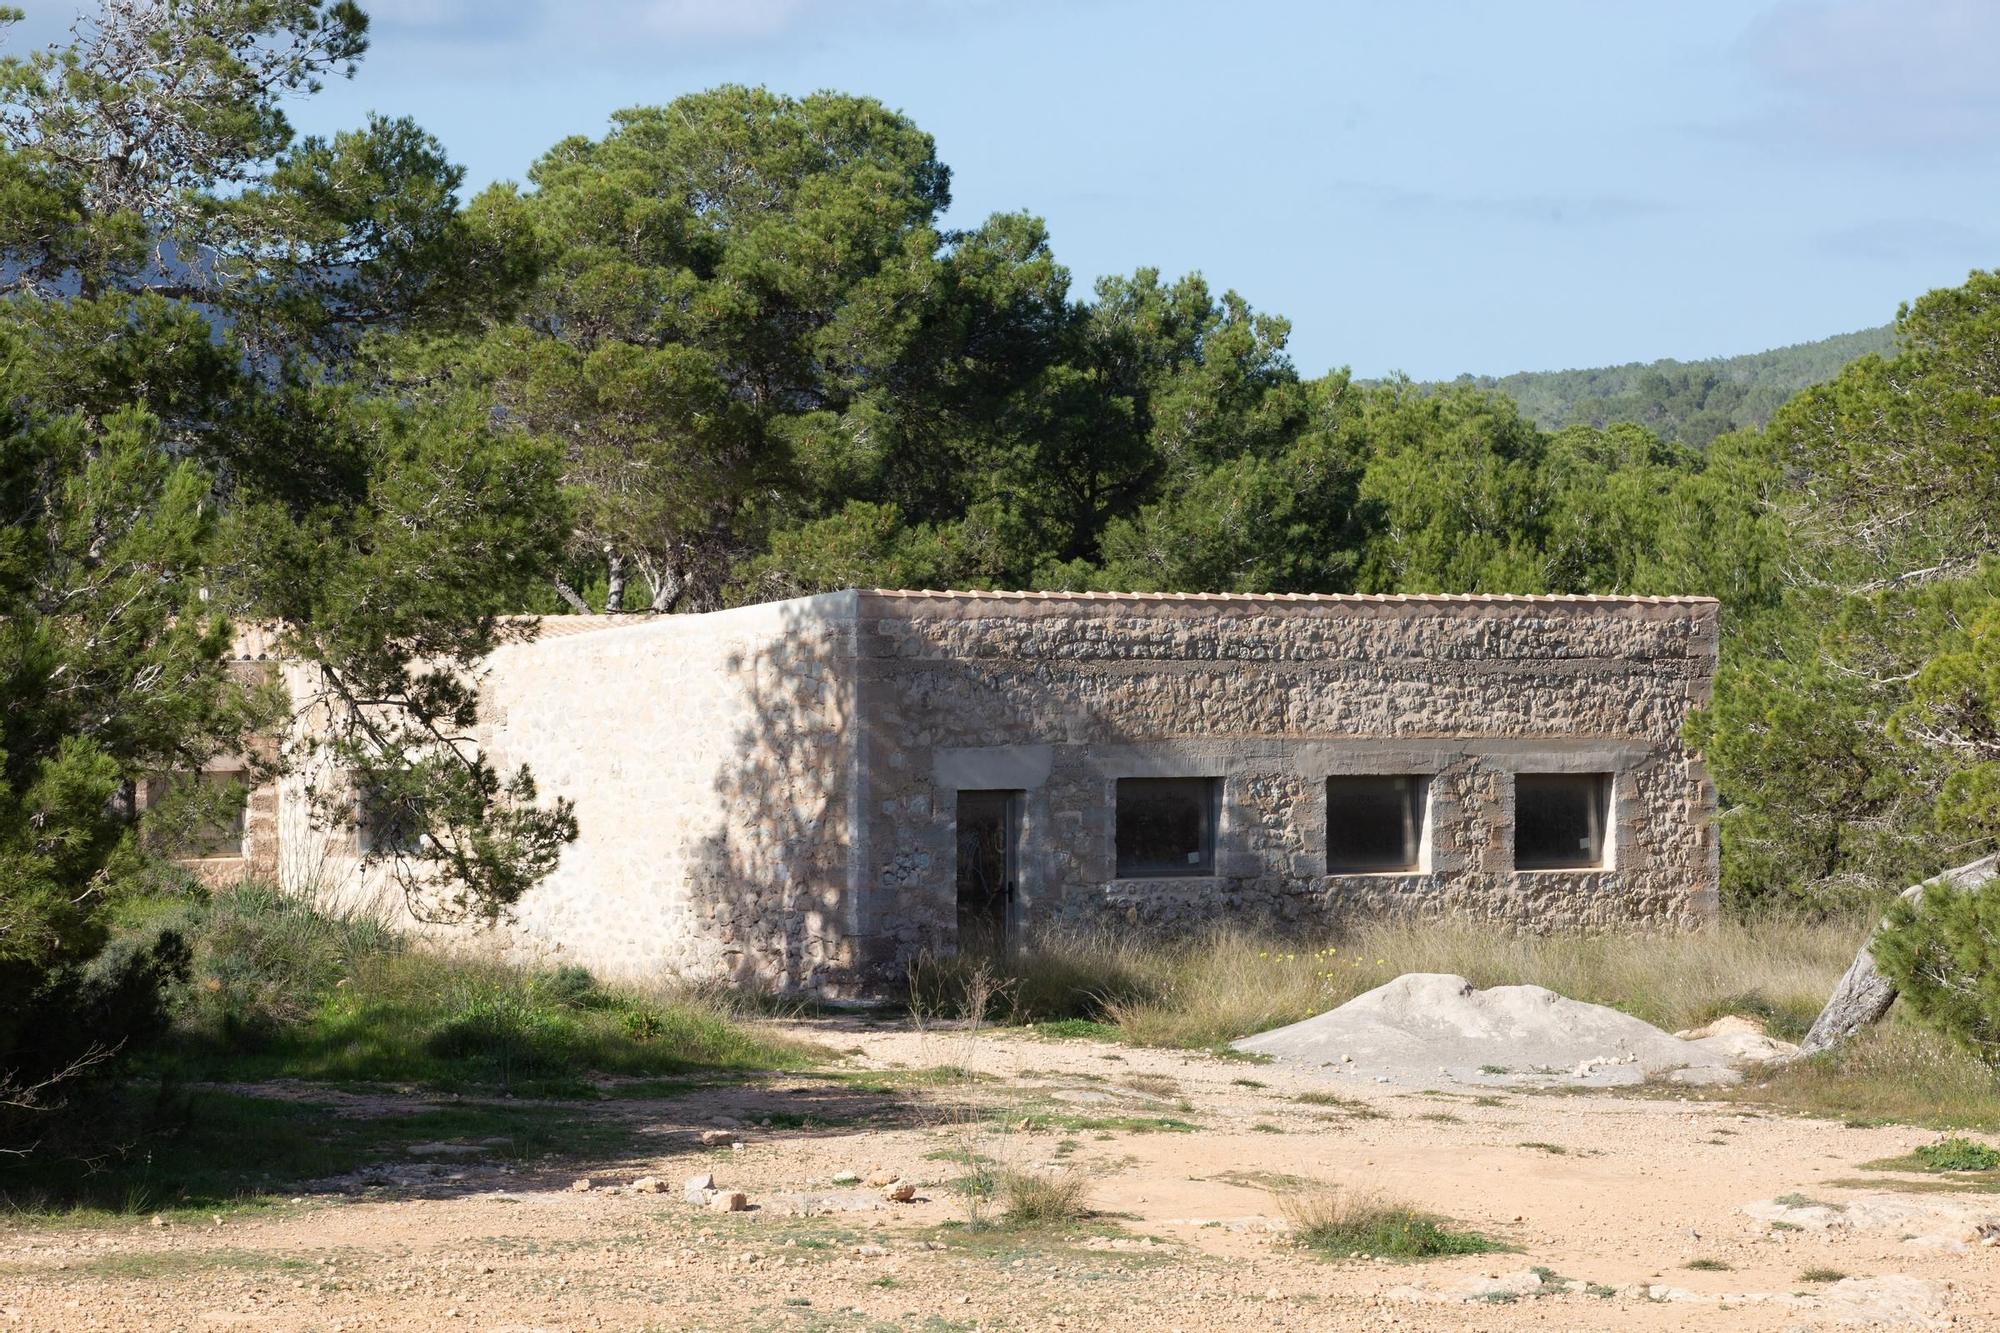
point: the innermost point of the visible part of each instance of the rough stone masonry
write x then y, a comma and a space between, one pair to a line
806, 794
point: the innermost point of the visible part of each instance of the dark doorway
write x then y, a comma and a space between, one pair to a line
988, 831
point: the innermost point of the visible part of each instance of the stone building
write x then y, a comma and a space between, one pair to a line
806, 794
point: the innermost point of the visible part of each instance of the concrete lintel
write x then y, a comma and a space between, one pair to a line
992, 767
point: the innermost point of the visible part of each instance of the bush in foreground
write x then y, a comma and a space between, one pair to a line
1943, 953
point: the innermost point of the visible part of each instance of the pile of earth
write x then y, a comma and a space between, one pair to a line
1427, 1026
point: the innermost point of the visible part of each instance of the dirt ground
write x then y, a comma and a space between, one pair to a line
1603, 1200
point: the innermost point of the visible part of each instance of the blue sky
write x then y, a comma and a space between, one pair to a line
1430, 186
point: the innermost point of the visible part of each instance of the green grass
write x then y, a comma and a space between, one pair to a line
1978, 1182
1957, 1154
1967, 1166
456, 1024
1797, 1200
1709, 1266
1077, 1029
1553, 1149
285, 989
1337, 1224
1224, 1051
980, 1183
1822, 1275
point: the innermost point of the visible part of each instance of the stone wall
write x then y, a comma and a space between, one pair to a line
708, 762
768, 795
1060, 696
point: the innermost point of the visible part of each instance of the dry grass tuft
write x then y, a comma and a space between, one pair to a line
1207, 990
1214, 988
1031, 1198
1896, 1072
1153, 1085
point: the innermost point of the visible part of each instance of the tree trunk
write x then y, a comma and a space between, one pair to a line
572, 598
614, 593
1864, 994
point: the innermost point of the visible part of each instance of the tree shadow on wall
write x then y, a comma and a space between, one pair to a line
767, 886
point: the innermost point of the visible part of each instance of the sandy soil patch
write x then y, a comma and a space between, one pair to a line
1604, 1197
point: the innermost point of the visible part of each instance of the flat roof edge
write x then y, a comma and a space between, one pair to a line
1297, 598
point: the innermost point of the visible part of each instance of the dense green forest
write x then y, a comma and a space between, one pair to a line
727, 351
1688, 402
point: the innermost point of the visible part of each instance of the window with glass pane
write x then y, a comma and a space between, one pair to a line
1559, 820
1374, 825
1166, 826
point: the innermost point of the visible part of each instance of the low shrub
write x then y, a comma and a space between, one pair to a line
264, 960
71, 1030
1958, 1154
1031, 1198
1340, 1224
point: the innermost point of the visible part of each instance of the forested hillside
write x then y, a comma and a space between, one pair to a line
1687, 402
